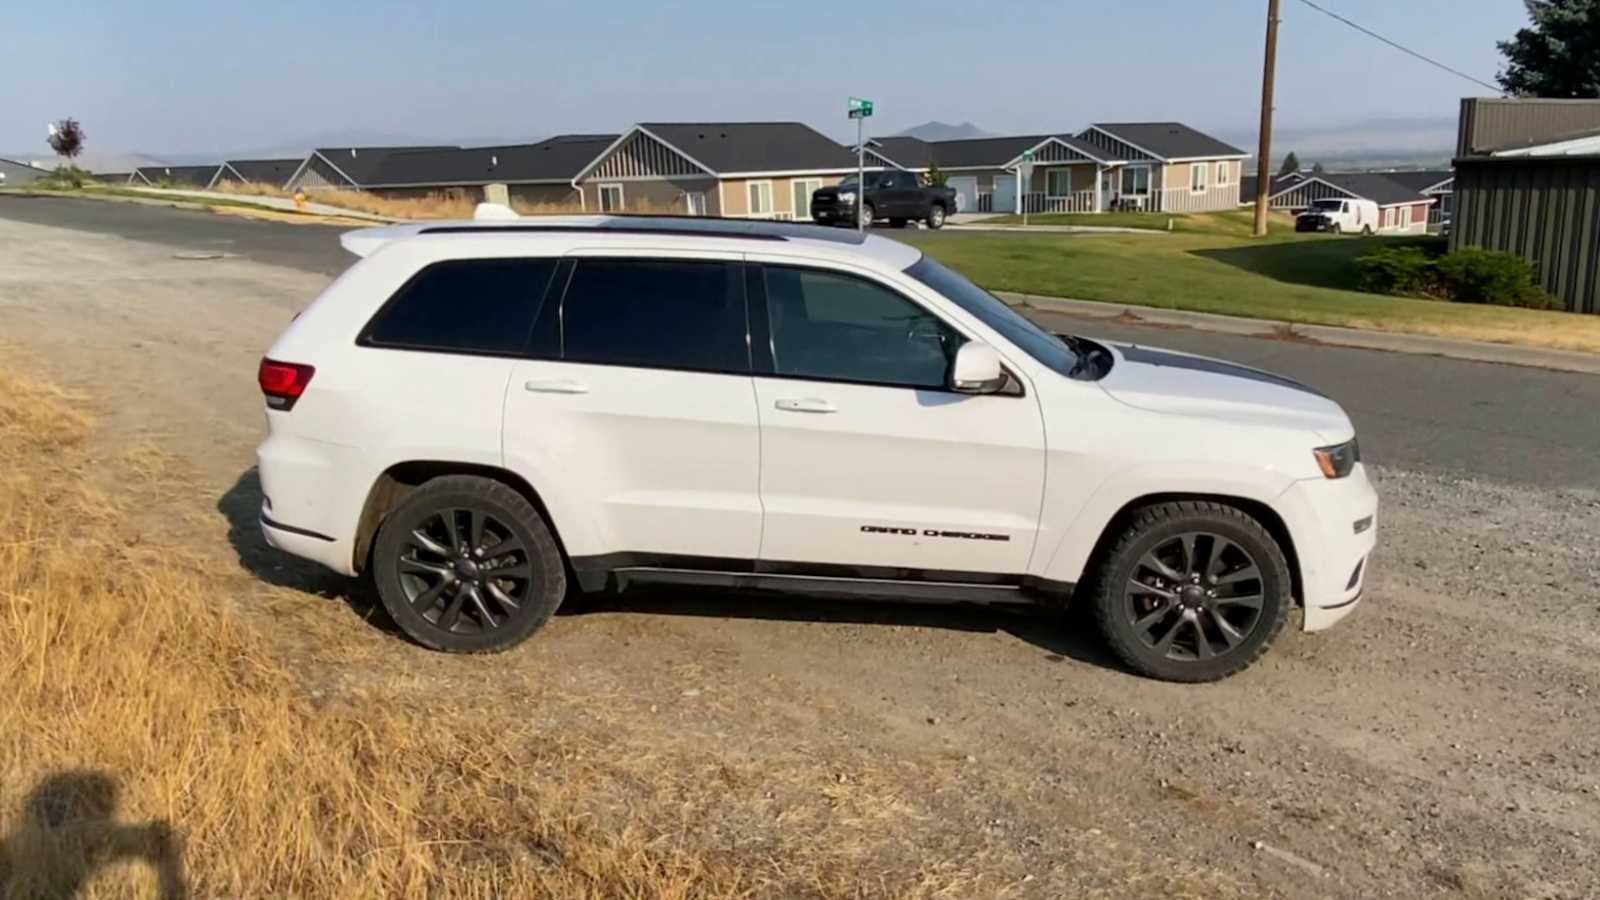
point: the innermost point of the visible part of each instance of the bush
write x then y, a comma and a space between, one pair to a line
1396, 270
68, 177
1471, 275
1493, 276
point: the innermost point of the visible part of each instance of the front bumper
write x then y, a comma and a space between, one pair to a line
1312, 225
829, 213
1334, 524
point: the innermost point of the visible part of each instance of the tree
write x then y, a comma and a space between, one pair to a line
1559, 56
1291, 165
66, 138
936, 176
1317, 169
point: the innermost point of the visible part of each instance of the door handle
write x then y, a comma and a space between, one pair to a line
555, 386
806, 405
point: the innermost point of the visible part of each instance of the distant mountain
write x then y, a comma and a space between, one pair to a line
943, 131
1417, 141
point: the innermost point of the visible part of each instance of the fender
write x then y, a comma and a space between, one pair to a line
1069, 553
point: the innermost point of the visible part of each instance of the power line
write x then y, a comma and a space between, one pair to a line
1402, 48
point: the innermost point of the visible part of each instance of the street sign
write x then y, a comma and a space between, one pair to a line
860, 109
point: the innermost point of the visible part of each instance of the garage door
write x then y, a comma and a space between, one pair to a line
966, 188
1005, 193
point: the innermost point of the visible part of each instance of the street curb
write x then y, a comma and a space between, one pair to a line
1418, 344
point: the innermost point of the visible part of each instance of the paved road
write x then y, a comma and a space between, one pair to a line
1501, 423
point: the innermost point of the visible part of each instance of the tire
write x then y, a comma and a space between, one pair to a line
1366, 231
1177, 635
935, 217
1336, 228
868, 213
425, 581
897, 223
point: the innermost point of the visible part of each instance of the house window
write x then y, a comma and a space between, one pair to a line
1224, 173
1405, 217
1058, 183
1136, 180
1197, 178
802, 191
760, 198
611, 198
696, 203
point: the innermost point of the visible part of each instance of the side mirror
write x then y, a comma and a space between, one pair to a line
976, 370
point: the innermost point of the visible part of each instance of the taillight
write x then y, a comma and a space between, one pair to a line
282, 382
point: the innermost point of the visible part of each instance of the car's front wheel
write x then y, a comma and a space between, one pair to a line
467, 565
867, 214
1192, 591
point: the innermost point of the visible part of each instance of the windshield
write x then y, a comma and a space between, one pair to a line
1327, 205
850, 180
993, 312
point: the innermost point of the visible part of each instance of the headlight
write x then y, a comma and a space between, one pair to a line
1339, 460
847, 196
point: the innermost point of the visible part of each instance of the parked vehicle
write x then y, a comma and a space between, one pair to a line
487, 414
900, 197
1339, 217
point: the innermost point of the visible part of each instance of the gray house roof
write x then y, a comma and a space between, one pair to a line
1169, 140
21, 173
1420, 181
360, 163
974, 153
556, 159
913, 153
1380, 189
184, 176
261, 171
731, 147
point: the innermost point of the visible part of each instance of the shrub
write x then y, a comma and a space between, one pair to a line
1471, 275
1396, 270
1475, 275
68, 177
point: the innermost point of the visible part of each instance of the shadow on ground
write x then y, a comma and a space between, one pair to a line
1060, 634
69, 832
1326, 263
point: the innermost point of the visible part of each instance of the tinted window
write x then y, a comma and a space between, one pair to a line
465, 305
1030, 338
656, 313
837, 327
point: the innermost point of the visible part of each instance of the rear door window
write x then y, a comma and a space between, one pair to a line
665, 314
464, 306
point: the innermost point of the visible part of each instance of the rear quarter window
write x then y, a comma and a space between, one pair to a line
464, 306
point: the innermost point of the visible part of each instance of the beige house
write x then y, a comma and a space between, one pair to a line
760, 170
1156, 167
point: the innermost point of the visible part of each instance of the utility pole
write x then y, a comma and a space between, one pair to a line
1264, 152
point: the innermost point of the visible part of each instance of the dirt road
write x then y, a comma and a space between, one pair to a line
1441, 742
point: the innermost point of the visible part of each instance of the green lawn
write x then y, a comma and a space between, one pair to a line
1239, 223
1286, 277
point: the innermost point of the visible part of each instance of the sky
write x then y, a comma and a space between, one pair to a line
182, 76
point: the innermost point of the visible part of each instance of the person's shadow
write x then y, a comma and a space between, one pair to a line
69, 832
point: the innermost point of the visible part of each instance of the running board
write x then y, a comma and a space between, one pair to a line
828, 586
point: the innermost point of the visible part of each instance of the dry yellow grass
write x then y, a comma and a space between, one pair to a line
440, 205
152, 744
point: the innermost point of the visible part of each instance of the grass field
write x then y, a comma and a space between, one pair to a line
1211, 264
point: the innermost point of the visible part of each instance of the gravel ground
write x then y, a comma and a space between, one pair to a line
1442, 741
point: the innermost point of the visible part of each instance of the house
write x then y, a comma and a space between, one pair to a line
1153, 166
188, 177
1401, 209
762, 170
1527, 181
1068, 175
343, 168
538, 173
1436, 183
1170, 167
111, 177
17, 174
273, 172
1247, 185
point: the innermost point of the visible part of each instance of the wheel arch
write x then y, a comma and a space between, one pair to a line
395, 483
1256, 509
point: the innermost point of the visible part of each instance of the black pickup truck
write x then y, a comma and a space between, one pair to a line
900, 197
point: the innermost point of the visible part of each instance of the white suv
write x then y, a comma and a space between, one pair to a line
482, 413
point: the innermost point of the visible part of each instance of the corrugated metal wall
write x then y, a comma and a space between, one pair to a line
1490, 123
1544, 210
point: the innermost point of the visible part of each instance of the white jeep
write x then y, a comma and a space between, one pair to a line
483, 413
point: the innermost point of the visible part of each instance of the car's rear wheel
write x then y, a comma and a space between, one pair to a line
936, 216
467, 565
1192, 591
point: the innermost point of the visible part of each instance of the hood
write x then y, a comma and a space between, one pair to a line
1166, 381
